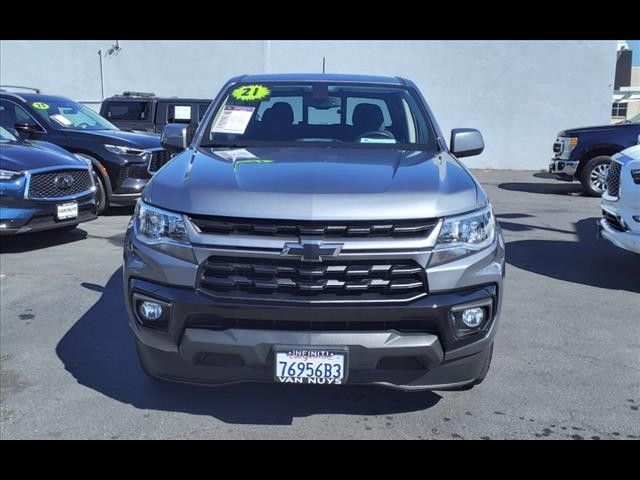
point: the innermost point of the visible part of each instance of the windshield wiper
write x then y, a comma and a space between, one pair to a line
230, 145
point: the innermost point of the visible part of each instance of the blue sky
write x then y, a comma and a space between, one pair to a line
635, 46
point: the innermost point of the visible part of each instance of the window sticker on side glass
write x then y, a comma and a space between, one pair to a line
61, 119
233, 119
182, 112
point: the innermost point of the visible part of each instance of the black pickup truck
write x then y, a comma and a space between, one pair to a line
584, 154
146, 112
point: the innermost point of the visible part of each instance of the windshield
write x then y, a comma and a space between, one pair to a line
368, 116
5, 136
635, 119
71, 115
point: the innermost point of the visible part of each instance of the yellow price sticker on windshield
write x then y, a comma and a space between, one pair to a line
40, 106
251, 93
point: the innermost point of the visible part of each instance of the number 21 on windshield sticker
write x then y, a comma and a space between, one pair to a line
251, 93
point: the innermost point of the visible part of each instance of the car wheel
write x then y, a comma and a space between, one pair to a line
594, 175
102, 203
485, 367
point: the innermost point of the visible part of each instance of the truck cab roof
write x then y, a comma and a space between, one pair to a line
322, 77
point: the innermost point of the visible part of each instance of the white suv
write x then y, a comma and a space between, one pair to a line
620, 222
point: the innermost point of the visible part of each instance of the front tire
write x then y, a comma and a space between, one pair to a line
102, 202
594, 175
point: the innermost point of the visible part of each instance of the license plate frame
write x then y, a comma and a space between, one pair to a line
67, 211
315, 356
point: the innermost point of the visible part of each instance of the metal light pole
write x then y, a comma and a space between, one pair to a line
114, 50
101, 76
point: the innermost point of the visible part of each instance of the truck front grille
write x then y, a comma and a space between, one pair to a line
557, 147
228, 226
336, 277
613, 179
59, 183
214, 322
158, 159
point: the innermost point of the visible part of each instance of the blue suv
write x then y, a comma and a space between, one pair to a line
42, 187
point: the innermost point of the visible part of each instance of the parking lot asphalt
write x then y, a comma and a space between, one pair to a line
566, 363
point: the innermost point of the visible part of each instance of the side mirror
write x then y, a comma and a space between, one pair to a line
30, 130
175, 137
466, 142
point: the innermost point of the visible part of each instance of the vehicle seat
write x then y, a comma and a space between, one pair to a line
277, 122
367, 117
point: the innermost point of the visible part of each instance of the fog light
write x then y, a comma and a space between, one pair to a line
473, 317
636, 218
150, 310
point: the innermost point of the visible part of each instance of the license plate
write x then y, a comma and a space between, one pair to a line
67, 210
310, 365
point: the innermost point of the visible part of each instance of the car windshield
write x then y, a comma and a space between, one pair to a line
635, 119
6, 136
71, 115
309, 114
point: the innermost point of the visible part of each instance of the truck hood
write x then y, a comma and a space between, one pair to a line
118, 137
19, 157
308, 183
597, 128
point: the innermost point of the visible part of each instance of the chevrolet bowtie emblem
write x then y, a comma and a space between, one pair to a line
311, 250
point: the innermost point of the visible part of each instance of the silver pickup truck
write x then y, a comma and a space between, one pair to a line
316, 229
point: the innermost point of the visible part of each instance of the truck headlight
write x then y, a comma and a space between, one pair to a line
568, 145
162, 230
8, 175
122, 150
463, 235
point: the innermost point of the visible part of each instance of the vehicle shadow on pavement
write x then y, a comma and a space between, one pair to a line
556, 187
544, 188
588, 261
99, 351
27, 242
117, 210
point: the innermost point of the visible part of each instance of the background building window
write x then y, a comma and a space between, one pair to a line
619, 110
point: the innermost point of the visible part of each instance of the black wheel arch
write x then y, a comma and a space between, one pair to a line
596, 151
100, 169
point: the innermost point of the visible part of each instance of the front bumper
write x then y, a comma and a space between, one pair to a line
563, 169
24, 216
190, 352
125, 199
626, 240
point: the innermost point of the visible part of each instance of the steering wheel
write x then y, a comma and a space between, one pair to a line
83, 125
379, 133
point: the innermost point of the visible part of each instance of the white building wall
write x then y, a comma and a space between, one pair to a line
518, 93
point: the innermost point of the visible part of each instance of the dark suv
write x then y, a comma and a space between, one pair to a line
145, 112
123, 161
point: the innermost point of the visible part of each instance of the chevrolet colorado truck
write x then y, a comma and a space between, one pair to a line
584, 154
316, 229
